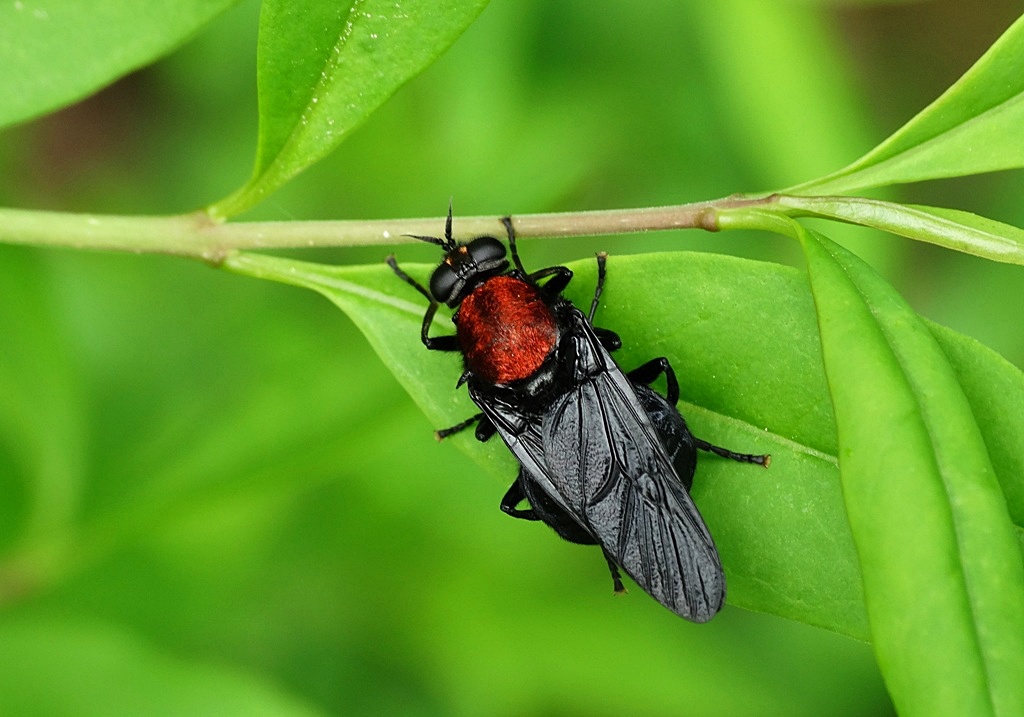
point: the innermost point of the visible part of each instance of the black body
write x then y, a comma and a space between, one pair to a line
604, 459
675, 437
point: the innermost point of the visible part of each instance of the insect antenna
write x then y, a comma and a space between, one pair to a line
448, 244
448, 225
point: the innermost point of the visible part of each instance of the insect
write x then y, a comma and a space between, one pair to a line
680, 445
604, 459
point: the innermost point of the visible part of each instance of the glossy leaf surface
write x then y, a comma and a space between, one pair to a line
943, 577
743, 339
973, 127
324, 67
55, 53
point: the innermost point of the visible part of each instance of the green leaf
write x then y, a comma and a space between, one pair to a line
53, 54
994, 388
324, 67
948, 228
943, 577
93, 669
43, 420
743, 339
973, 127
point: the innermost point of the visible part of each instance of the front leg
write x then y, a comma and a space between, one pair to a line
561, 276
436, 343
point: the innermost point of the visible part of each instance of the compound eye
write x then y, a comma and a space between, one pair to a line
486, 250
465, 266
444, 282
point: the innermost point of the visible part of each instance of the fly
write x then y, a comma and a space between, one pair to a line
604, 459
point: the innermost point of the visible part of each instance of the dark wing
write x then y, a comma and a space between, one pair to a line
611, 472
597, 455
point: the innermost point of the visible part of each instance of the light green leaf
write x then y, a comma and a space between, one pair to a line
324, 67
995, 390
943, 577
974, 127
743, 339
949, 228
54, 53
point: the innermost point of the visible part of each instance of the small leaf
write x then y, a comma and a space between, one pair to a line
324, 67
743, 340
943, 577
53, 54
973, 127
948, 228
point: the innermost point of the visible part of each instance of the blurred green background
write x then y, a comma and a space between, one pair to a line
214, 499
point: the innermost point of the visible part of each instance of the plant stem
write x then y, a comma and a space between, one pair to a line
198, 236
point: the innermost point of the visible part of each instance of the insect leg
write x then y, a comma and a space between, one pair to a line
609, 339
507, 221
562, 276
614, 568
514, 497
762, 460
436, 343
442, 433
649, 372
484, 429
602, 257
393, 263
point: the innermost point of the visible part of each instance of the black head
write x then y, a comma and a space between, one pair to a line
464, 265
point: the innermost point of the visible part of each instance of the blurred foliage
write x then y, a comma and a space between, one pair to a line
213, 493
